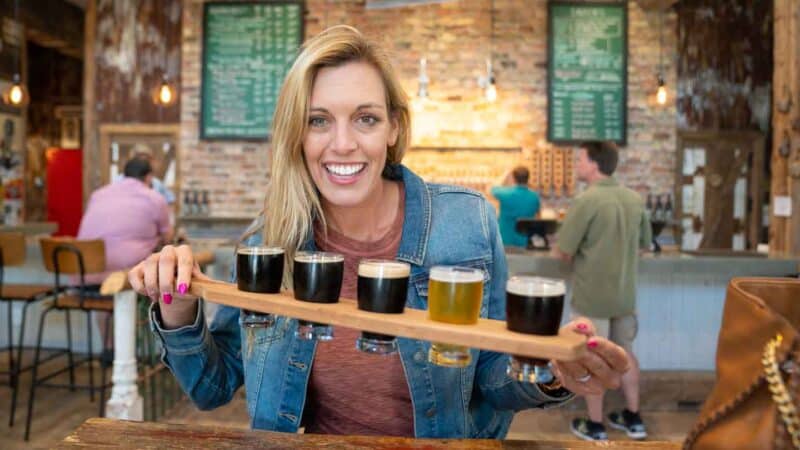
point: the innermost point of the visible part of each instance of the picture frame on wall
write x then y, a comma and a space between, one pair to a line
70, 125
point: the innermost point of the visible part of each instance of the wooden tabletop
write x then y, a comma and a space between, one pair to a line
108, 433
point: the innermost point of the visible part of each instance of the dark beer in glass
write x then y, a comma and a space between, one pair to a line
259, 269
533, 306
317, 278
382, 288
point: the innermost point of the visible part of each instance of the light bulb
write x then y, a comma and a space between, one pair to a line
491, 91
16, 95
661, 95
165, 94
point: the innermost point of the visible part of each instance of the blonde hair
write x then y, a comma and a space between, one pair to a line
292, 202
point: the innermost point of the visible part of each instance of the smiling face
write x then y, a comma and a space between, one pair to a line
349, 131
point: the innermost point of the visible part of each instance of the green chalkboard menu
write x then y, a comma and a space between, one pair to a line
247, 49
587, 72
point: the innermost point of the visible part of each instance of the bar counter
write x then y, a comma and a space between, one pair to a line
107, 433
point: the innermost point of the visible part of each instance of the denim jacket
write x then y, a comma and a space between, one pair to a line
443, 225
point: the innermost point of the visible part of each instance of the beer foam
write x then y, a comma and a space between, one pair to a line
528, 286
260, 251
318, 257
383, 269
454, 274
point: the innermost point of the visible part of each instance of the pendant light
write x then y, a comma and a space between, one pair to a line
17, 94
661, 93
487, 83
164, 93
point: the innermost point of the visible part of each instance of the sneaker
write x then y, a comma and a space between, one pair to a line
629, 422
588, 430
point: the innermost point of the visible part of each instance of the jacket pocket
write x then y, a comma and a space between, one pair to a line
264, 334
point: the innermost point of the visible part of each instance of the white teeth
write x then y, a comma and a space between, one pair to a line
344, 169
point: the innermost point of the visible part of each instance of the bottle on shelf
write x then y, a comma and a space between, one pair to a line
668, 208
205, 206
658, 211
188, 208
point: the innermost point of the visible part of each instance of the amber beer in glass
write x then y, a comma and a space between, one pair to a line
259, 269
533, 306
454, 296
317, 278
382, 288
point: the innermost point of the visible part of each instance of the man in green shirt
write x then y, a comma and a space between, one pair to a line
602, 234
515, 202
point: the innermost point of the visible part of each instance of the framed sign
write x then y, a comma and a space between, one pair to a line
247, 49
587, 72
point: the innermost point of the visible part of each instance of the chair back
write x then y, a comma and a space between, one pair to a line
71, 256
12, 249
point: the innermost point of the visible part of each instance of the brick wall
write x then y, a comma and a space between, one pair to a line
455, 37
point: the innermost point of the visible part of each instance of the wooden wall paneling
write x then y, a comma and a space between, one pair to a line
130, 46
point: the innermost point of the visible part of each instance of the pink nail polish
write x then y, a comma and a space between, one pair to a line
592, 343
183, 288
582, 326
167, 298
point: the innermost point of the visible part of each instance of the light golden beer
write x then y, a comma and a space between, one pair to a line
454, 296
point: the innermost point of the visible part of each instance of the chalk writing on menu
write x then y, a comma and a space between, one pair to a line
248, 48
587, 66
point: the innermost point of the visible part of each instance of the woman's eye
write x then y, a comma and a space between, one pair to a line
317, 122
368, 120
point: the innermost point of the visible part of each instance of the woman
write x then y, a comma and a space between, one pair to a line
340, 130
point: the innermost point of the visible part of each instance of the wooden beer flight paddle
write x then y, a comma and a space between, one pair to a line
487, 334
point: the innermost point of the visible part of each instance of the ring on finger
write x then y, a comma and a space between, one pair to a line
584, 378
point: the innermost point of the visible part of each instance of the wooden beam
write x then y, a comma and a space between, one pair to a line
90, 170
785, 231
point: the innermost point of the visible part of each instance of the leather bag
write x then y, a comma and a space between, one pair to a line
754, 402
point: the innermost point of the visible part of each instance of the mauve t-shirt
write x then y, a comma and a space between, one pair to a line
351, 392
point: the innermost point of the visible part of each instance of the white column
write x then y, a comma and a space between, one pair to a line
125, 402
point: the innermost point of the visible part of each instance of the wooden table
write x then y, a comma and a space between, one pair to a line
107, 433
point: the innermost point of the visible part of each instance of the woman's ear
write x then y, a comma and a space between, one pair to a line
394, 132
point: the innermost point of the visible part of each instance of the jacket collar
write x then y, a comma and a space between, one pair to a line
417, 218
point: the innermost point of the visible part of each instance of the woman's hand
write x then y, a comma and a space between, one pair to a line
165, 277
601, 368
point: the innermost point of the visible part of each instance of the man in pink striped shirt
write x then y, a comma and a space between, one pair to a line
130, 217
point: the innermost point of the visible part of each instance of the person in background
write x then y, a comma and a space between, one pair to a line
601, 235
145, 152
131, 219
342, 125
516, 200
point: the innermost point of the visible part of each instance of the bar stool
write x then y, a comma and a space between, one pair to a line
72, 257
12, 253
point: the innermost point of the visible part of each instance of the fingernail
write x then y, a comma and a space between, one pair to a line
581, 326
592, 343
183, 288
167, 298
